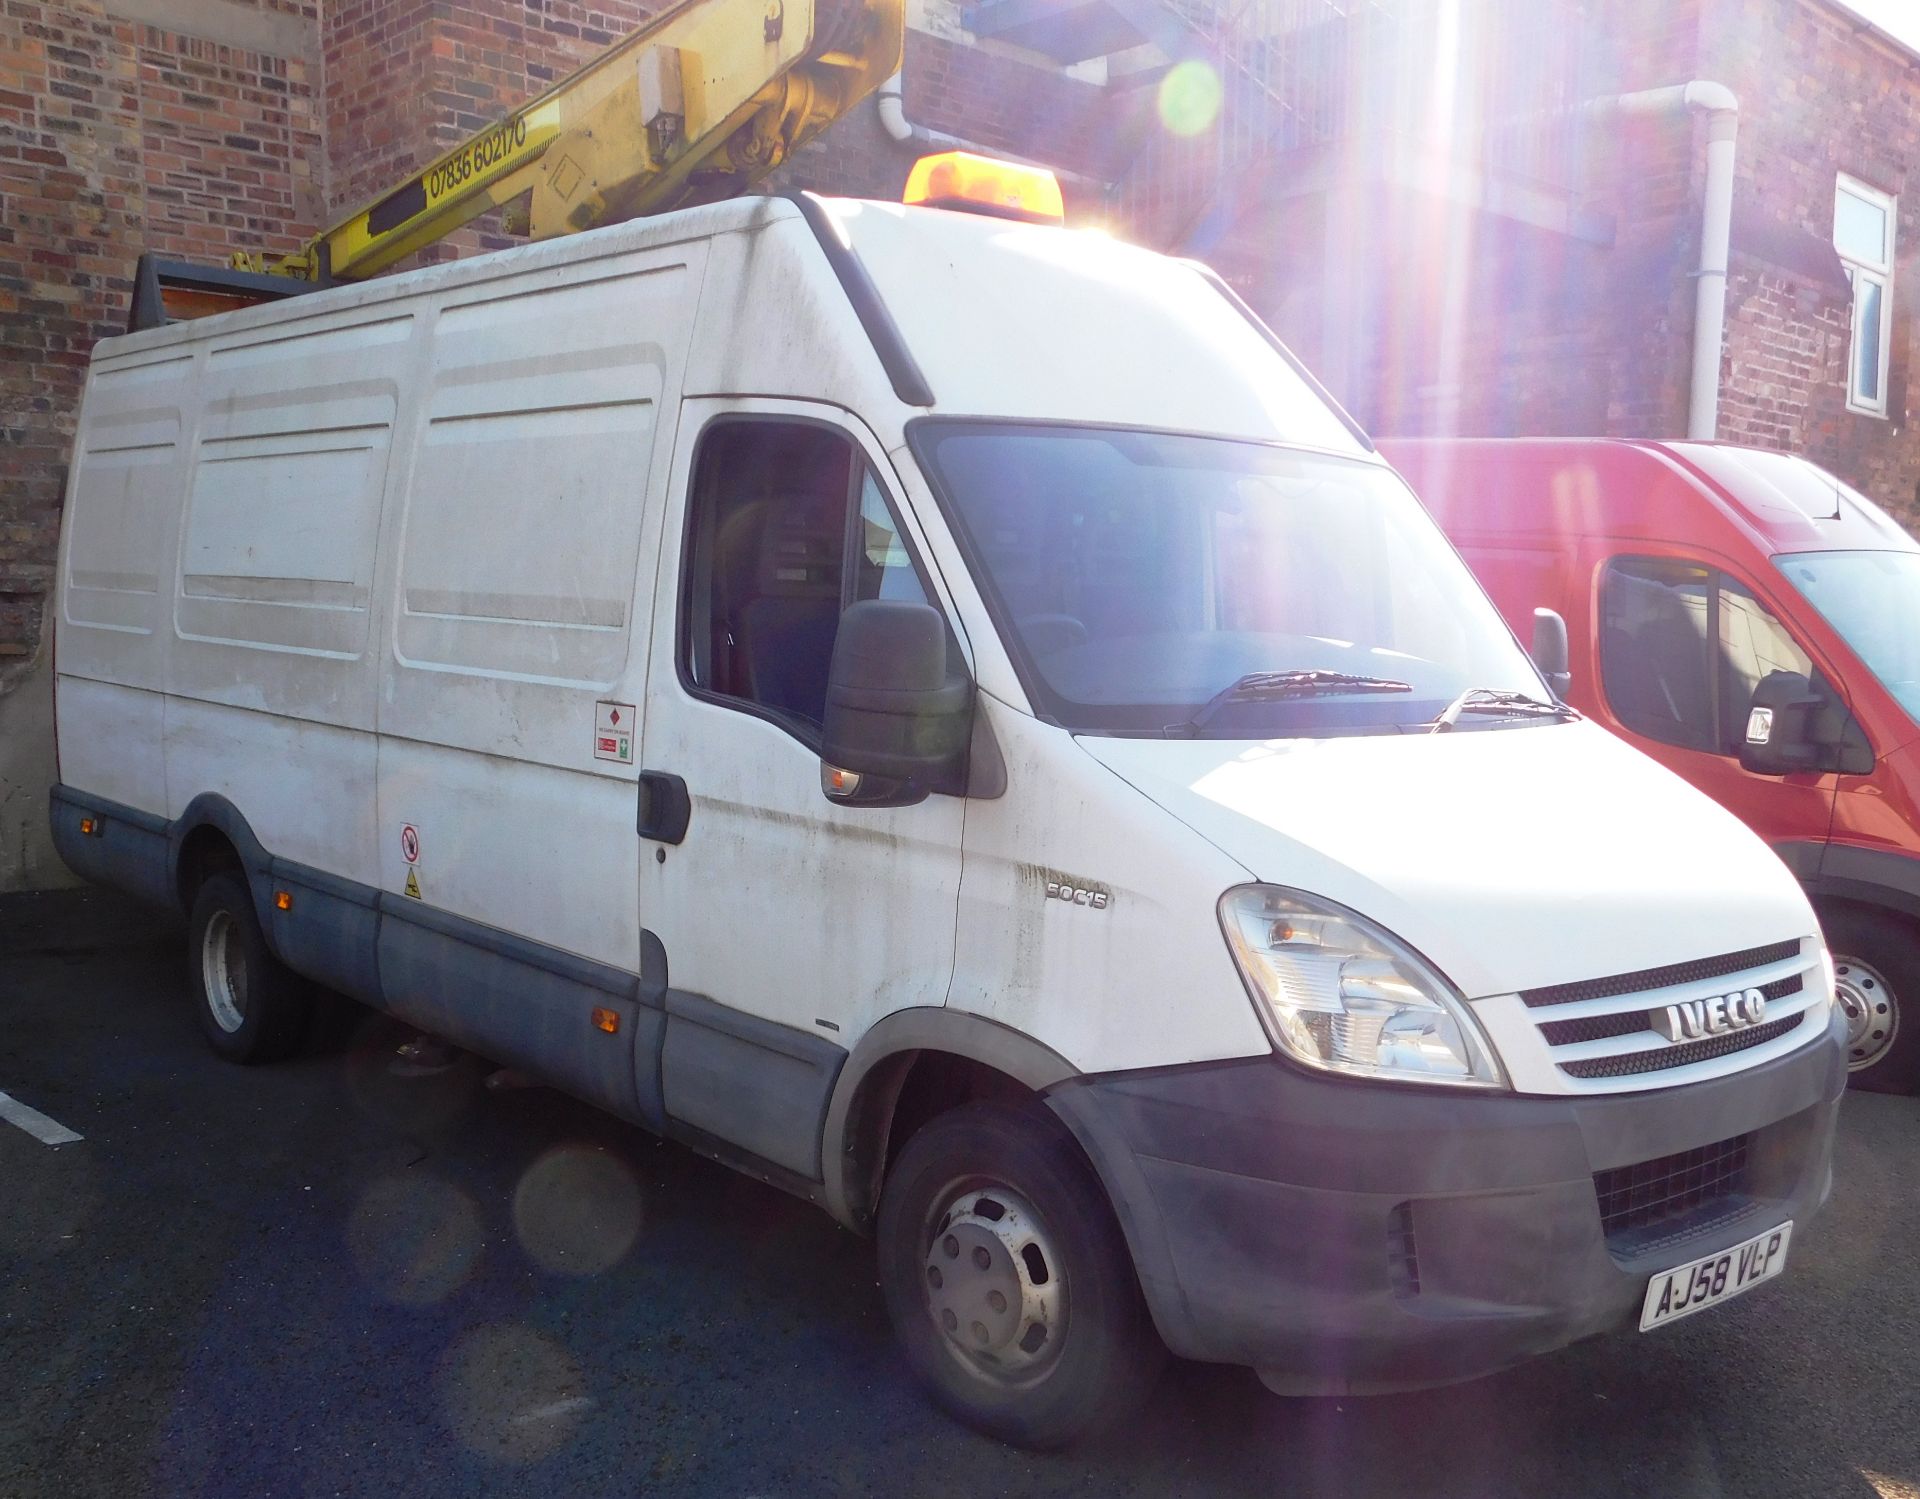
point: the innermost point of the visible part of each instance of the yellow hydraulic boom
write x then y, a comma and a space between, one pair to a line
697, 104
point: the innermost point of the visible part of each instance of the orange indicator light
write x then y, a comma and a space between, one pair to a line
979, 184
606, 1020
283, 900
87, 827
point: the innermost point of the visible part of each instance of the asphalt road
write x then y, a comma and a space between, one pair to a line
328, 1278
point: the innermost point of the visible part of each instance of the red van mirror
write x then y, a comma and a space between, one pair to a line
1778, 737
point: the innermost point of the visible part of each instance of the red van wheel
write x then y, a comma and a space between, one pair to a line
1876, 967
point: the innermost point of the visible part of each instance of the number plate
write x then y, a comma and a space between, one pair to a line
1686, 1289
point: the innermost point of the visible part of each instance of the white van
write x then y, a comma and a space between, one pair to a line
943, 714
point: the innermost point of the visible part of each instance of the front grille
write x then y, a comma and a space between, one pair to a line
1610, 1035
1673, 1186
1660, 1058
1626, 1022
1696, 971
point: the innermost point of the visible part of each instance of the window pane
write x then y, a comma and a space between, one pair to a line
1859, 228
1866, 339
1753, 645
1654, 660
1138, 574
884, 570
1873, 600
770, 513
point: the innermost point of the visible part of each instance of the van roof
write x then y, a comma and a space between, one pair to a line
1004, 319
1073, 325
1713, 494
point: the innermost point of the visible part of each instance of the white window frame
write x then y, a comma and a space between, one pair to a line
1878, 273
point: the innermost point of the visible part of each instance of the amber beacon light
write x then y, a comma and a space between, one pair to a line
979, 184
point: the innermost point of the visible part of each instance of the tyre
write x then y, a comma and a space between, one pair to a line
251, 1006
1876, 971
1007, 1280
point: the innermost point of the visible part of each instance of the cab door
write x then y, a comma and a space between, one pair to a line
790, 923
1683, 641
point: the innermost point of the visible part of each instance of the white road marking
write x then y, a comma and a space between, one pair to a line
565, 1406
46, 1131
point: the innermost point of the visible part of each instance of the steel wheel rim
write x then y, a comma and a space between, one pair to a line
994, 1283
1873, 1015
223, 971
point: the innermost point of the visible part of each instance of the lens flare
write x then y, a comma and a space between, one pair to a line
1190, 97
511, 1393
414, 1239
577, 1210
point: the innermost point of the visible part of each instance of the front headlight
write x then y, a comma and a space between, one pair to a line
1340, 994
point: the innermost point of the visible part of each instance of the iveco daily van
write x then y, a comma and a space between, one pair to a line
1753, 624
941, 713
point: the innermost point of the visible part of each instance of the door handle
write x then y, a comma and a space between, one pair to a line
665, 807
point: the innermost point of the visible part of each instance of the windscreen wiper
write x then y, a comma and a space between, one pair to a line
1489, 700
1276, 686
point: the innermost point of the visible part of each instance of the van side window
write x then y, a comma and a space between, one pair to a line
1654, 620
1683, 646
787, 526
1753, 645
882, 568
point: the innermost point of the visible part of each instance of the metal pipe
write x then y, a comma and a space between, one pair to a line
890, 105
889, 101
1722, 109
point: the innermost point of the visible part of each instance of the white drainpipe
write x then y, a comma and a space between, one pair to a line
891, 106
1722, 110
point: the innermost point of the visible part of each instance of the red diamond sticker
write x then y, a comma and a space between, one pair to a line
612, 738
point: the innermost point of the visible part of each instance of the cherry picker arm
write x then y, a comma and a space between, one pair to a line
697, 104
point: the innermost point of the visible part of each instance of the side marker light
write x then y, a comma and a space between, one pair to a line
606, 1020
837, 783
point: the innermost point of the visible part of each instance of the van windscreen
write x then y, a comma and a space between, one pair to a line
1136, 575
1873, 600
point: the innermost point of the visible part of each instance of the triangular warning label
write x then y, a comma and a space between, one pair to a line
413, 882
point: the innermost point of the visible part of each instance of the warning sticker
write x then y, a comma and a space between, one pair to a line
413, 882
410, 843
613, 726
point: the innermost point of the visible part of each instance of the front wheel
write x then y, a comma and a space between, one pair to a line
252, 1007
1876, 969
1008, 1282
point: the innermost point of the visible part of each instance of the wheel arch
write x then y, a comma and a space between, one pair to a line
1875, 880
210, 835
983, 1056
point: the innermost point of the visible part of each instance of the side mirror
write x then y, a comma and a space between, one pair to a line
1779, 736
1794, 727
1550, 651
896, 723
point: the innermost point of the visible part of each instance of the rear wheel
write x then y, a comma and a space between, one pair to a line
1876, 969
252, 1007
1007, 1280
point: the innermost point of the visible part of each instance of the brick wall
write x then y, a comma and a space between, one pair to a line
117, 133
408, 79
194, 127
1817, 99
1427, 316
1000, 102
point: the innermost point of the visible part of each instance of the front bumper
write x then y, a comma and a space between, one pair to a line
1343, 1237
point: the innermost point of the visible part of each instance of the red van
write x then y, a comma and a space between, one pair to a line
1752, 623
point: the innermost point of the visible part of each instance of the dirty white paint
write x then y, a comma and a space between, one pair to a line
470, 483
